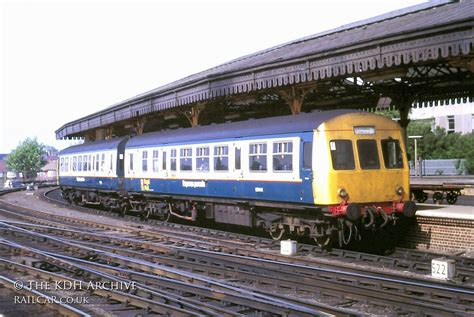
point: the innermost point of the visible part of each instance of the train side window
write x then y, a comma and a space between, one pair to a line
368, 154
89, 166
74, 163
185, 159
145, 161
79, 163
202, 159
392, 153
164, 161
258, 157
84, 163
93, 163
61, 168
283, 156
111, 163
221, 158
102, 162
155, 161
173, 159
307, 155
342, 154
130, 156
66, 167
97, 162
237, 158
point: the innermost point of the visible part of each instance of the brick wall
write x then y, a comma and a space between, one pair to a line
441, 234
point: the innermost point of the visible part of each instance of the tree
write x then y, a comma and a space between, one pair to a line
27, 158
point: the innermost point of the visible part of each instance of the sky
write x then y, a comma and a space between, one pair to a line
65, 59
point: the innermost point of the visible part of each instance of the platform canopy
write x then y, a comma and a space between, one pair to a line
418, 56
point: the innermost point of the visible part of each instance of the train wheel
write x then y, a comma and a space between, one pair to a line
123, 210
438, 197
164, 214
277, 231
320, 235
145, 214
452, 197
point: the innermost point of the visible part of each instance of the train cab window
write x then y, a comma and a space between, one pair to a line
145, 161
221, 158
342, 154
258, 157
283, 156
368, 154
237, 158
130, 157
202, 159
392, 153
185, 159
155, 161
173, 159
307, 155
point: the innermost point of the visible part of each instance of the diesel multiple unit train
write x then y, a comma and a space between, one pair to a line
328, 175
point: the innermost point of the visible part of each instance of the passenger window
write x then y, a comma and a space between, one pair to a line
173, 159
62, 164
368, 154
237, 158
283, 156
307, 155
342, 154
392, 154
79, 163
67, 165
221, 158
102, 162
164, 161
74, 163
202, 159
97, 162
89, 165
258, 157
185, 161
145, 161
111, 163
155, 161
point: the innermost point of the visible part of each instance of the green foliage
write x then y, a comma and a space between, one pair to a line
27, 158
438, 144
393, 114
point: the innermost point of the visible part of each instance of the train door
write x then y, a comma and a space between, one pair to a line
121, 166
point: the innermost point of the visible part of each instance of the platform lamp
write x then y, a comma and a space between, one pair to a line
416, 137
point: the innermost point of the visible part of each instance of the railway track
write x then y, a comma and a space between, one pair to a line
402, 260
248, 264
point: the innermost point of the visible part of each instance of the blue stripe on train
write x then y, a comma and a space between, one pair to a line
104, 183
294, 192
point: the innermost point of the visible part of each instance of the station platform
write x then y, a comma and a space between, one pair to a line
445, 211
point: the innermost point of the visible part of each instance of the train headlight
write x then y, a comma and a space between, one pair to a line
400, 191
342, 193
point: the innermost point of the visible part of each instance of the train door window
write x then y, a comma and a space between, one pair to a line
74, 163
79, 163
145, 161
283, 156
221, 158
102, 162
237, 158
392, 153
258, 157
368, 154
342, 154
202, 159
186, 159
307, 155
130, 157
164, 161
155, 161
97, 162
173, 159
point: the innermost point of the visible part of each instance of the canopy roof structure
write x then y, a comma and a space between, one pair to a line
418, 56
